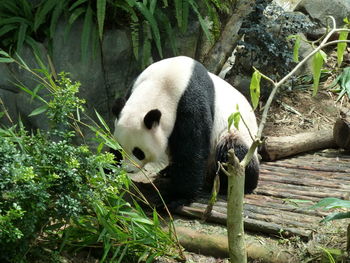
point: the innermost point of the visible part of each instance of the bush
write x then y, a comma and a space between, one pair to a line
54, 192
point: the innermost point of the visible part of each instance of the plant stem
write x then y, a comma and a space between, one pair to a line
235, 227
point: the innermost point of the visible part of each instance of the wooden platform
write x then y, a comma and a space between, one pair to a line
287, 188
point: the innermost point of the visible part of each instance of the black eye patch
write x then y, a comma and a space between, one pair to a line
138, 153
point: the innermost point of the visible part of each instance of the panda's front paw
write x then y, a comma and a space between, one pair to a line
176, 205
164, 172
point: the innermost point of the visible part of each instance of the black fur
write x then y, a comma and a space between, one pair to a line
189, 143
152, 118
117, 107
233, 141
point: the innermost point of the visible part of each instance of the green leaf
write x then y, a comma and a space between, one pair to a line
234, 119
153, 24
152, 6
341, 47
146, 53
85, 35
56, 15
7, 28
77, 12
332, 202
38, 111
12, 20
77, 3
4, 53
6, 60
102, 121
317, 62
255, 88
166, 25
135, 38
296, 48
181, 12
101, 12
336, 216
27, 8
202, 22
21, 36
43, 10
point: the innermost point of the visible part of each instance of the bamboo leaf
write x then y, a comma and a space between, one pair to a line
341, 47
296, 49
4, 53
26, 6
135, 38
86, 33
255, 88
202, 22
43, 10
178, 12
6, 60
77, 3
165, 23
12, 20
332, 202
7, 28
234, 119
317, 62
38, 111
102, 121
153, 24
21, 35
101, 12
55, 16
152, 6
77, 12
146, 53
336, 216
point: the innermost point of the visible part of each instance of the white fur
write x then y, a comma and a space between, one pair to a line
226, 100
172, 75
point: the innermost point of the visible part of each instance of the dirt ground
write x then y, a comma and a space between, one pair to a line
295, 110
298, 111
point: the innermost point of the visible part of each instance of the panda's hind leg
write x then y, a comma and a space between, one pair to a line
234, 141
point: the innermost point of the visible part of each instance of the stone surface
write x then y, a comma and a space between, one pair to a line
287, 5
320, 9
105, 72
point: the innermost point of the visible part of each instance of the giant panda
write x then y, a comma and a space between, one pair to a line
177, 112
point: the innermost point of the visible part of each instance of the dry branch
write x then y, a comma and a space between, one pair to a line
217, 246
275, 148
219, 53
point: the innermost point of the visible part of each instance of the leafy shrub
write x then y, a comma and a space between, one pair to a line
25, 21
54, 192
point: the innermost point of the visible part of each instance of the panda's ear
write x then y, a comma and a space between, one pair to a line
152, 118
118, 105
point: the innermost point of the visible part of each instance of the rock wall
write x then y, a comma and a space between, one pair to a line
104, 74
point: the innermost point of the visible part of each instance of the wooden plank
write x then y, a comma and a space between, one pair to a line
275, 208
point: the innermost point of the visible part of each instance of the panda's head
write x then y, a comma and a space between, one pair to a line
141, 136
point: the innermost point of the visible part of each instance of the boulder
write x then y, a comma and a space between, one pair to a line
318, 10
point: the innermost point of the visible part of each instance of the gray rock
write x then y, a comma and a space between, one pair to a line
287, 5
320, 9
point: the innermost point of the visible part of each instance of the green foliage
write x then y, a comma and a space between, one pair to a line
341, 47
55, 194
23, 22
297, 39
255, 88
317, 62
341, 84
234, 119
332, 203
